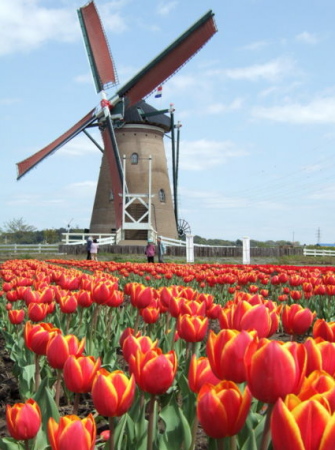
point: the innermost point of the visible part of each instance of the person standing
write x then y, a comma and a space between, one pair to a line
94, 250
88, 247
161, 249
150, 251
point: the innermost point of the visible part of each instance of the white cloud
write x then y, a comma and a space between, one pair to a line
318, 111
217, 200
257, 45
81, 189
218, 108
9, 101
308, 38
34, 25
80, 146
202, 154
164, 8
270, 71
326, 193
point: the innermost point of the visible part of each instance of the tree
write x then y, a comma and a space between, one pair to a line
19, 232
50, 236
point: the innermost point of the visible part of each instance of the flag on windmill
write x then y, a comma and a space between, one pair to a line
159, 92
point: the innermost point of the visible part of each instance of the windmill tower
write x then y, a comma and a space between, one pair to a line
133, 190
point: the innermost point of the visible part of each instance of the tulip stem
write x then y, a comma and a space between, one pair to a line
137, 323
266, 437
111, 433
76, 403
194, 432
221, 444
37, 372
151, 422
233, 444
26, 445
58, 381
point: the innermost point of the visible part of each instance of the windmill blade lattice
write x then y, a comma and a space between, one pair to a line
170, 60
102, 66
27, 164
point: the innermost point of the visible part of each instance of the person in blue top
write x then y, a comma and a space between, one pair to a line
161, 249
88, 247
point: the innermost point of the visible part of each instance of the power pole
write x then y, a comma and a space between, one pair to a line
318, 236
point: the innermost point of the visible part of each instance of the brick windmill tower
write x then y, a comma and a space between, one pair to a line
133, 191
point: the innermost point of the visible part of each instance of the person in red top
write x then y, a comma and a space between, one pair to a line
150, 251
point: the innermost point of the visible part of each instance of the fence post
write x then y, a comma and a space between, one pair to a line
246, 250
189, 249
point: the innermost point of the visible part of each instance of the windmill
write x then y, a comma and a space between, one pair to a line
133, 191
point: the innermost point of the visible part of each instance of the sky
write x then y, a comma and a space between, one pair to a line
256, 104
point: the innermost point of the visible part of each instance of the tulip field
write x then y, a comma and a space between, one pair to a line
118, 356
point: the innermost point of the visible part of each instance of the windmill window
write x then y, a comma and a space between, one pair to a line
162, 195
134, 158
111, 196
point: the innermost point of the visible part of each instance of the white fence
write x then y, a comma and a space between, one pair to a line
77, 238
318, 252
28, 248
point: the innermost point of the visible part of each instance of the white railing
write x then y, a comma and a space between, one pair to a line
29, 248
81, 238
318, 252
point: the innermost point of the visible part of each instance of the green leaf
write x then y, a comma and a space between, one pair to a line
46, 402
177, 432
26, 381
10, 444
119, 433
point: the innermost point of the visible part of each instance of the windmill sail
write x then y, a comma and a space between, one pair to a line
99, 56
170, 60
27, 164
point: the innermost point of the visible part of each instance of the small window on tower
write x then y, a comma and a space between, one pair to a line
162, 196
134, 158
111, 196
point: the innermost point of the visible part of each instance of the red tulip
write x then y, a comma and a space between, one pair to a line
116, 299
325, 330
296, 319
321, 355
142, 296
113, 392
199, 373
193, 308
72, 432
275, 369
103, 291
68, 303
154, 371
126, 332
37, 311
192, 328
16, 316
319, 383
222, 409
243, 315
228, 346
302, 425
37, 336
23, 420
84, 298
79, 373
60, 347
131, 344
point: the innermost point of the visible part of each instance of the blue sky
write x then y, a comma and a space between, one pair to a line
257, 107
